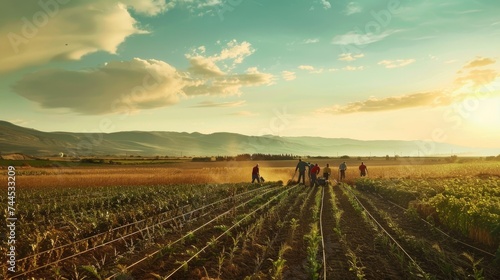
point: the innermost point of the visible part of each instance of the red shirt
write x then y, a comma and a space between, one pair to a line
362, 167
315, 170
255, 170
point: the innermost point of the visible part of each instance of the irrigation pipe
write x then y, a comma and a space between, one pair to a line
321, 231
140, 221
125, 236
387, 233
229, 229
445, 234
190, 232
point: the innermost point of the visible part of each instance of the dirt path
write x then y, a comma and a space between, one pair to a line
296, 258
337, 266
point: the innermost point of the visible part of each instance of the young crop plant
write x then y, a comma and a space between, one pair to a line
478, 273
355, 264
313, 240
294, 224
279, 264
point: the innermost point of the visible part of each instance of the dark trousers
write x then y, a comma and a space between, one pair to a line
342, 174
313, 179
302, 174
255, 177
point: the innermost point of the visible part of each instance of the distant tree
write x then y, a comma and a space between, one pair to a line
345, 157
387, 157
453, 158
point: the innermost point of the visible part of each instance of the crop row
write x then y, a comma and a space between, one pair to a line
470, 206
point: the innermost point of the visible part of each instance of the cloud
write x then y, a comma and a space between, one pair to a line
212, 104
472, 78
306, 67
468, 82
477, 78
46, 31
396, 63
234, 53
311, 41
433, 57
130, 86
288, 75
326, 4
353, 68
118, 87
390, 103
479, 62
353, 8
350, 56
354, 38
311, 69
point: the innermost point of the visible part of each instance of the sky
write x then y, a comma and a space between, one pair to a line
369, 70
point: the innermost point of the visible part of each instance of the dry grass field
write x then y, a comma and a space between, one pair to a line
238, 171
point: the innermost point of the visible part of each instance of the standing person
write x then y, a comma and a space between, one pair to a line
363, 169
256, 174
314, 174
301, 166
327, 171
342, 169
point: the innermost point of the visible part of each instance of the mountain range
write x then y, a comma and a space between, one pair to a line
17, 139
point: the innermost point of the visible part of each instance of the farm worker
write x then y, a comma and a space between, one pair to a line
363, 169
314, 173
255, 174
327, 171
342, 169
301, 166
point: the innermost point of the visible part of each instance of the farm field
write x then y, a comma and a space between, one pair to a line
409, 219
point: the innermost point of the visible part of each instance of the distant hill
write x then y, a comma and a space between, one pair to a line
17, 139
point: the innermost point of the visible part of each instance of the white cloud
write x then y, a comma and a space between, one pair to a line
36, 34
326, 4
353, 8
306, 67
311, 69
311, 41
353, 68
208, 3
129, 86
396, 63
234, 53
350, 56
288, 75
353, 38
433, 57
